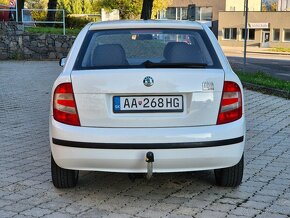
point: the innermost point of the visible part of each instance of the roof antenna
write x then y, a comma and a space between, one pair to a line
147, 9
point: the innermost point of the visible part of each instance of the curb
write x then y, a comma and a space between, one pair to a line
269, 52
267, 90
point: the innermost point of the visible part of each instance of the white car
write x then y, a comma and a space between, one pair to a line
147, 97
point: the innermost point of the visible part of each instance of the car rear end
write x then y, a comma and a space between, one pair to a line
141, 87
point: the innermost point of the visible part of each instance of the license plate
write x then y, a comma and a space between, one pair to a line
147, 104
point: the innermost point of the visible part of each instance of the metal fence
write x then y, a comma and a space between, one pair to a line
33, 22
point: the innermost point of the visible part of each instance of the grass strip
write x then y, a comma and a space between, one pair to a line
52, 30
264, 79
280, 49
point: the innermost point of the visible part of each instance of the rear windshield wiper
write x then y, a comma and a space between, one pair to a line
149, 64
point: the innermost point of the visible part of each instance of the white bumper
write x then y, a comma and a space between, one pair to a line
204, 149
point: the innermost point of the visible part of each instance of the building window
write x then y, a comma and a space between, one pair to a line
230, 33
251, 34
276, 34
161, 14
180, 13
232, 8
287, 35
203, 13
175, 14
183, 13
171, 13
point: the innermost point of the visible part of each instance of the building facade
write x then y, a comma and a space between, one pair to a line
266, 29
207, 11
227, 21
239, 5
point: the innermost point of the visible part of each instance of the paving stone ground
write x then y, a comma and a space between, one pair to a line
26, 189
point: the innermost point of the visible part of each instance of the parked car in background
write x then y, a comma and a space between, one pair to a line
147, 97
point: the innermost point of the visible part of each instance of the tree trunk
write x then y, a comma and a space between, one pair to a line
20, 6
147, 9
51, 14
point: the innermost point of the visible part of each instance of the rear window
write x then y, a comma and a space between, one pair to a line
146, 48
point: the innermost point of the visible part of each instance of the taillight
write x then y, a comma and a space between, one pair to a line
231, 103
64, 105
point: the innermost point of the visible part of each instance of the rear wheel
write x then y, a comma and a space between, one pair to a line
230, 176
63, 178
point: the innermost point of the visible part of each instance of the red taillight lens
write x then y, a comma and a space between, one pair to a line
231, 103
64, 106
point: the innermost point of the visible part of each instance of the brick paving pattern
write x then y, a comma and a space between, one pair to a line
26, 189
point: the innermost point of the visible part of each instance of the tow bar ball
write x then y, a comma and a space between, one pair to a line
149, 159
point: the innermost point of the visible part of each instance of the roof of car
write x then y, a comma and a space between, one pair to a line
128, 24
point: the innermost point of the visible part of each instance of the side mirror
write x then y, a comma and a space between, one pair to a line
62, 61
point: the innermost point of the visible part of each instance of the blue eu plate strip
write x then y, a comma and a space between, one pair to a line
117, 103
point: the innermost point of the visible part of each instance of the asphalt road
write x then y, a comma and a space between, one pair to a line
276, 65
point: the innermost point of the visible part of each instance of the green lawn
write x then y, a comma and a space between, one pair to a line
52, 30
280, 49
263, 79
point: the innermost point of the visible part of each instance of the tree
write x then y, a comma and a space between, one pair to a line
264, 7
147, 9
66, 5
128, 8
76, 7
87, 7
4, 2
20, 6
270, 5
274, 6
151, 7
159, 5
36, 4
51, 14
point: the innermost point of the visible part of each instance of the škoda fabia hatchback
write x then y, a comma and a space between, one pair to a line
147, 97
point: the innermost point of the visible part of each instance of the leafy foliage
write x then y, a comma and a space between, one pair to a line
269, 5
159, 5
129, 9
36, 4
78, 22
79, 6
4, 2
87, 7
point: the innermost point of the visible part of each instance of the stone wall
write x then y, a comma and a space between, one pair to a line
17, 44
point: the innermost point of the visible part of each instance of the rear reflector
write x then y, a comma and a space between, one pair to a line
64, 106
231, 103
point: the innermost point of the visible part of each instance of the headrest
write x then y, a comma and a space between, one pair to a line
167, 49
181, 52
109, 55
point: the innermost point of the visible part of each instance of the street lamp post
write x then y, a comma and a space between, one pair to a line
16, 8
246, 9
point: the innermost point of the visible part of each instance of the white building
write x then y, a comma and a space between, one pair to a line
283, 5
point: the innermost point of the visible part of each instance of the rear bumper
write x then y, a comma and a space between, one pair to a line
124, 149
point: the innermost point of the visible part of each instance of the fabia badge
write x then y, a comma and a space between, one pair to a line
148, 81
207, 86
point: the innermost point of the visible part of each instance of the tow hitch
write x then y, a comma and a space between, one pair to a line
149, 159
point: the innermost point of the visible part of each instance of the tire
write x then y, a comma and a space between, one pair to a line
63, 178
230, 176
